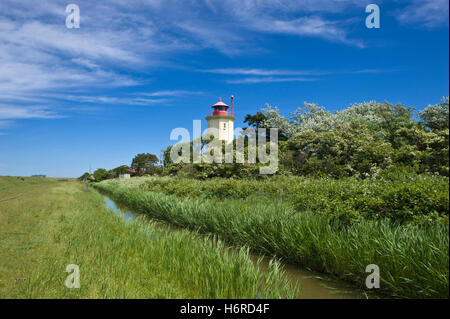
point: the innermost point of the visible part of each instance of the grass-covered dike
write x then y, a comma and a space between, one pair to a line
401, 226
47, 224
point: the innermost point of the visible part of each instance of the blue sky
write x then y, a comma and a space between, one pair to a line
74, 99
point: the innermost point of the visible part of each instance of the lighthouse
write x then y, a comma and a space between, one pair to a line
222, 120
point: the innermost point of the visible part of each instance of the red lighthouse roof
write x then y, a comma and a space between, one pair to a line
220, 103
220, 108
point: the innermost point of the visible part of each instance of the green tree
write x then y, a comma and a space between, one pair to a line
259, 120
101, 174
256, 121
436, 117
85, 176
348, 150
381, 118
115, 172
144, 163
166, 156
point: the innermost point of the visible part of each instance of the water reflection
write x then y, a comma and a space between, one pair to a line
127, 215
313, 285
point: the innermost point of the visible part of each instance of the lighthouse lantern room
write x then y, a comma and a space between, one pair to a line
222, 120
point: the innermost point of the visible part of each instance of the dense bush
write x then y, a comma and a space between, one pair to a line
363, 139
348, 150
100, 174
398, 195
413, 258
204, 171
436, 117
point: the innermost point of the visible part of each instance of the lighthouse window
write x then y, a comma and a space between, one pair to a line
224, 126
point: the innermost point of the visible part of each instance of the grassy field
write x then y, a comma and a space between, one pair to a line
46, 224
412, 254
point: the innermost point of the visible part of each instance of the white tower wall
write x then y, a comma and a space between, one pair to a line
225, 126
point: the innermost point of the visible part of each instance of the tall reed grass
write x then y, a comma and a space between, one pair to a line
207, 266
413, 258
406, 198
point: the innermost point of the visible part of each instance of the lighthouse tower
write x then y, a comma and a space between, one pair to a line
222, 120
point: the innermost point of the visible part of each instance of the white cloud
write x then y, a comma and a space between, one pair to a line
311, 26
54, 37
264, 72
277, 75
20, 77
8, 112
302, 6
109, 100
270, 80
172, 93
427, 13
86, 63
40, 58
39, 53
230, 25
222, 39
140, 98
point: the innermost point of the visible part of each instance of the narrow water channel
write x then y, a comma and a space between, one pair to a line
313, 285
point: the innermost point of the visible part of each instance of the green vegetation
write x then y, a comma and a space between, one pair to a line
365, 185
412, 256
101, 174
47, 224
142, 164
362, 141
407, 197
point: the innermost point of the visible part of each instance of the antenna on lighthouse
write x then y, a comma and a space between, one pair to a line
232, 107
